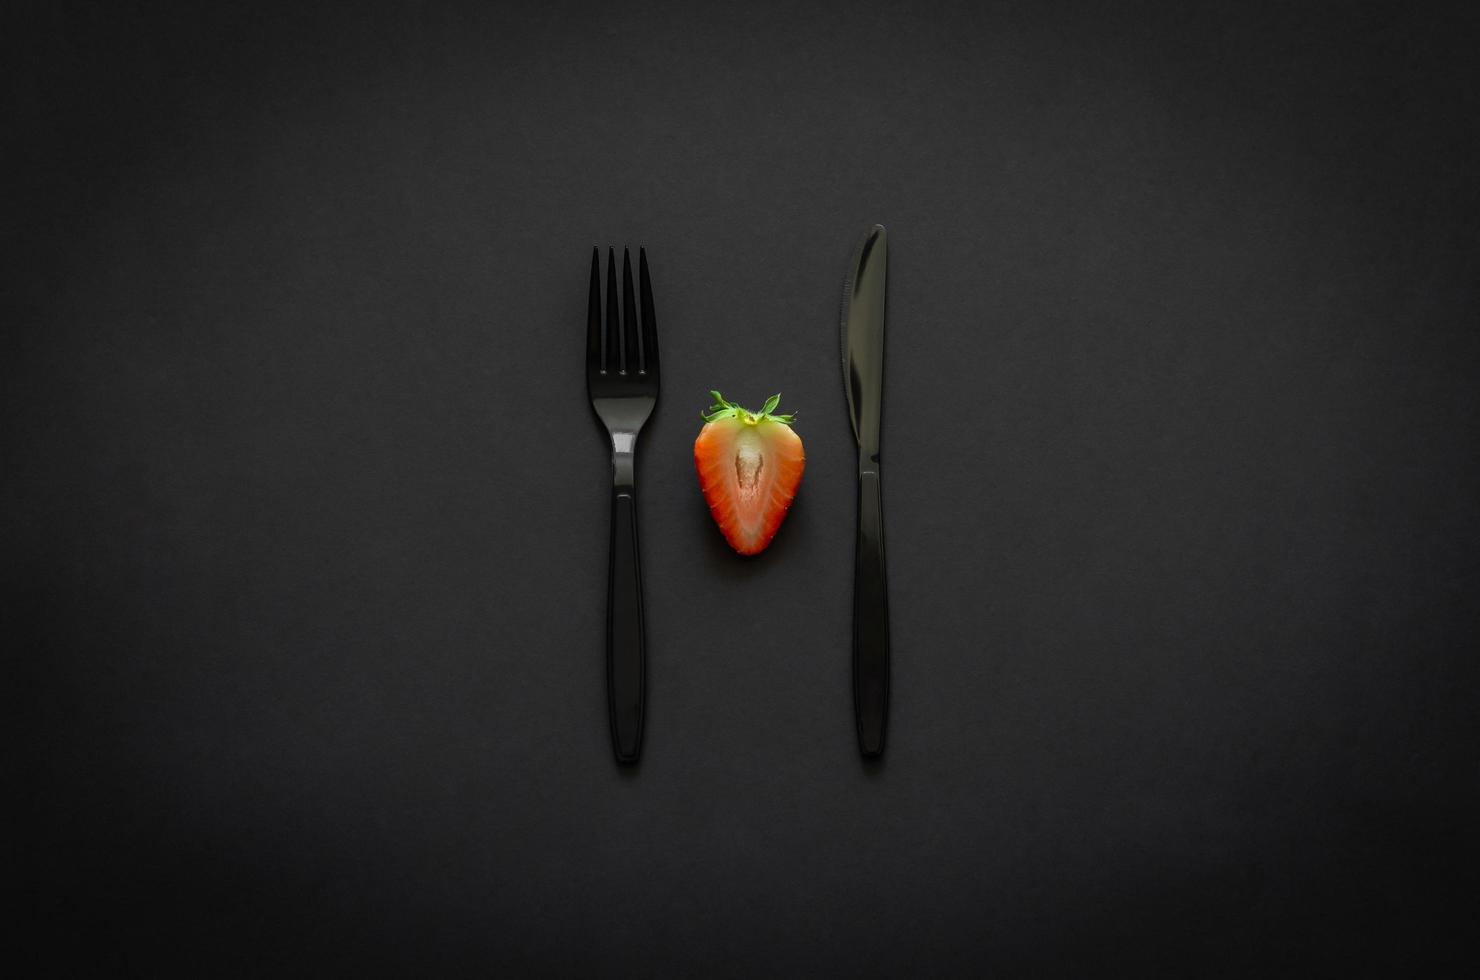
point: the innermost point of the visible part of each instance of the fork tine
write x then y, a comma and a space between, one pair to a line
631, 353
649, 318
595, 341
614, 354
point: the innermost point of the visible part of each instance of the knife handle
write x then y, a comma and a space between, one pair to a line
625, 659
870, 620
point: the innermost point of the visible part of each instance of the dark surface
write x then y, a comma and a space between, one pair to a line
305, 512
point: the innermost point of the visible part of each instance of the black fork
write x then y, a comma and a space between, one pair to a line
622, 379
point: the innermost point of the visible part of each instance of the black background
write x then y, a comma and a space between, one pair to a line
305, 508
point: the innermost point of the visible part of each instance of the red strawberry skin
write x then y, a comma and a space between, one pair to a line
750, 466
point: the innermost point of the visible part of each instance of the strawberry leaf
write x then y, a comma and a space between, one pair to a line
725, 409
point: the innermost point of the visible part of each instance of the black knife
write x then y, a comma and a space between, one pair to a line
863, 380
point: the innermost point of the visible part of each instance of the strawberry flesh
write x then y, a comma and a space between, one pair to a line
750, 465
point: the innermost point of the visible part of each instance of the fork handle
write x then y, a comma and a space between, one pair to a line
870, 620
625, 659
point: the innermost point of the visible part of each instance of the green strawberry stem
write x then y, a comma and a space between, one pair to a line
722, 409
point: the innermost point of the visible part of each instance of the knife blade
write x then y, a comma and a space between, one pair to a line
862, 334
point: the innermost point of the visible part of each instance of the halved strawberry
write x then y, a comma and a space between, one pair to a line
749, 464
